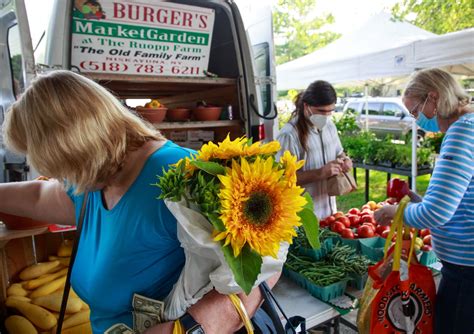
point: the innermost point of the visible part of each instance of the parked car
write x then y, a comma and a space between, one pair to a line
386, 116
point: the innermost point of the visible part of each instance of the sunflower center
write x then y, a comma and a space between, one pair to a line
258, 208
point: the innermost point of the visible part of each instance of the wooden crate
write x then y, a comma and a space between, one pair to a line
21, 248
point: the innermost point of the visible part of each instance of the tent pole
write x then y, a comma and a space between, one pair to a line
366, 94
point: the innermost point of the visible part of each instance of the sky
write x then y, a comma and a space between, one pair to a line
348, 14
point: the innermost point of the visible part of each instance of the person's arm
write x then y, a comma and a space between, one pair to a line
39, 200
449, 183
216, 313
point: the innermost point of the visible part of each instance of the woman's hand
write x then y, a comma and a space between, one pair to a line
385, 214
331, 168
346, 164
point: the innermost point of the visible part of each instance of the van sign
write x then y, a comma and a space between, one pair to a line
130, 37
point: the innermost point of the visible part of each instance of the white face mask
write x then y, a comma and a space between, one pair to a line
319, 121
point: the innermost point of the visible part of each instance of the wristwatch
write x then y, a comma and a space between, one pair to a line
190, 325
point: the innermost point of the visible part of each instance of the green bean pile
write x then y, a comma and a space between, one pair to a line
321, 273
346, 257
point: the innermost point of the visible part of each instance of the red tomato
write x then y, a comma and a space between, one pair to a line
354, 211
323, 223
424, 232
372, 227
355, 220
365, 232
427, 240
347, 233
365, 207
338, 215
367, 219
426, 248
345, 221
366, 213
380, 229
330, 220
337, 227
385, 233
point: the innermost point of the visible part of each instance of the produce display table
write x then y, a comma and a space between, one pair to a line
297, 301
388, 170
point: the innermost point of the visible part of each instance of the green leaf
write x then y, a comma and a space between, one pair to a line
309, 201
310, 223
210, 167
216, 222
245, 267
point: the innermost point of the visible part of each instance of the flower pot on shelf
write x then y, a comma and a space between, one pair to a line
207, 113
152, 115
178, 114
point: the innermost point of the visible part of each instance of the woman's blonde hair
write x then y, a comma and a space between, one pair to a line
73, 129
451, 95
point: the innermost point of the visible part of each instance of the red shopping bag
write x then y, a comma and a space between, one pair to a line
400, 294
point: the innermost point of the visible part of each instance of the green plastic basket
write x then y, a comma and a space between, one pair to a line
372, 248
317, 254
358, 281
324, 293
428, 258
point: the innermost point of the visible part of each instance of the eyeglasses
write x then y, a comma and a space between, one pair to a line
412, 111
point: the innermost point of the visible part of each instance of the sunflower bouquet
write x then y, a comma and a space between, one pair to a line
237, 209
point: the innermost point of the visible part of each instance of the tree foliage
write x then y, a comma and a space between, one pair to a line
298, 31
437, 16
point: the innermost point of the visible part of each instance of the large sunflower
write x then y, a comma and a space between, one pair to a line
258, 206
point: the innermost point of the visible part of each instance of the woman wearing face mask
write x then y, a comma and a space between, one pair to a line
311, 135
440, 104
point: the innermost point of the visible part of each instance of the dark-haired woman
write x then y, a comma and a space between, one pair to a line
311, 135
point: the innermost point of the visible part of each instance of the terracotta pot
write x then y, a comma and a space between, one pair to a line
13, 222
152, 115
207, 113
178, 114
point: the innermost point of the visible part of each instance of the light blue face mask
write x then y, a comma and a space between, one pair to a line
427, 124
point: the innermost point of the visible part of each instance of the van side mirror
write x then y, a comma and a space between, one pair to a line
402, 115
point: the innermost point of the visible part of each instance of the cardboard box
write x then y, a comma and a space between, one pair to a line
206, 136
200, 135
194, 135
178, 136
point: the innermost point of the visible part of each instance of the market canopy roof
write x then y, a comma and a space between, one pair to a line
381, 48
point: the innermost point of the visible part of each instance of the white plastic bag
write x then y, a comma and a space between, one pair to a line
205, 267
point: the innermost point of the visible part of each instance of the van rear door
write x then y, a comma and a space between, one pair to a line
258, 24
17, 69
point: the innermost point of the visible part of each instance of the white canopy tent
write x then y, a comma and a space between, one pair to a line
381, 49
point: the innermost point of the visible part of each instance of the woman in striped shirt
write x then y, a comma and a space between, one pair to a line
440, 104
312, 136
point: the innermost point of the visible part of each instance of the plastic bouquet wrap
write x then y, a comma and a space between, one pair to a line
237, 210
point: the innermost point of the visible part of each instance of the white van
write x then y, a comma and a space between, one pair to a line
179, 52
385, 116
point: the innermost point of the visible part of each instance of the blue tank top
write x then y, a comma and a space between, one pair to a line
132, 248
